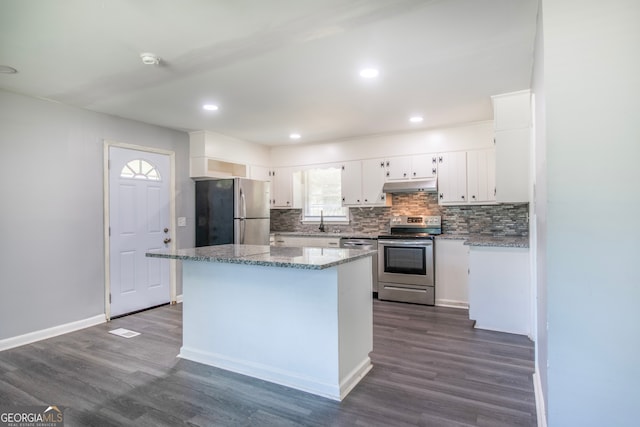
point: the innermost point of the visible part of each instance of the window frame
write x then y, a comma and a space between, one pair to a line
305, 216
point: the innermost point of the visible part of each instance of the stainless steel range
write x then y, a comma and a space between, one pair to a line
406, 259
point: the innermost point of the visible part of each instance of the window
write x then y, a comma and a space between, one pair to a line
140, 169
322, 193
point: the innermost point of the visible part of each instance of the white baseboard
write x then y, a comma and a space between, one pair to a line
541, 412
451, 303
43, 334
178, 299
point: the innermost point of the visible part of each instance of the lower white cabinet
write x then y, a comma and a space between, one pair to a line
499, 291
452, 264
309, 241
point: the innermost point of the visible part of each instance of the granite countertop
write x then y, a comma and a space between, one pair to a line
348, 235
488, 241
270, 256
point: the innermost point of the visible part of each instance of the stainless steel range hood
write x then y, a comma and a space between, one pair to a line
429, 185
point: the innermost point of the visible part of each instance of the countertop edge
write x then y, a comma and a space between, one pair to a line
489, 241
275, 263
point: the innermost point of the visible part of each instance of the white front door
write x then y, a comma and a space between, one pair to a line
139, 223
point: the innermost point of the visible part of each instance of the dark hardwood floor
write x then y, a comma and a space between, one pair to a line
431, 368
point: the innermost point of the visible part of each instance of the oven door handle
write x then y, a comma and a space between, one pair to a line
419, 244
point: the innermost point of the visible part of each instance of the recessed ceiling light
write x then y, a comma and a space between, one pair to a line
149, 58
210, 107
369, 73
5, 69
294, 136
416, 119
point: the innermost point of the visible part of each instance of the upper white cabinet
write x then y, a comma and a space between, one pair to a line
373, 177
362, 183
512, 110
351, 182
452, 178
481, 176
260, 173
512, 122
411, 167
285, 188
214, 155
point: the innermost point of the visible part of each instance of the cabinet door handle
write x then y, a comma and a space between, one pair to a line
441, 196
343, 199
387, 173
381, 164
433, 171
414, 174
404, 174
462, 197
382, 196
473, 197
366, 200
440, 159
433, 160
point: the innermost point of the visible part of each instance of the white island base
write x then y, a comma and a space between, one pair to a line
307, 329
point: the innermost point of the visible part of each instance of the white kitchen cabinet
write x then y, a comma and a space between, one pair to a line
512, 125
452, 178
285, 188
452, 263
419, 166
424, 166
511, 110
308, 241
362, 183
373, 177
260, 173
512, 165
481, 176
351, 183
499, 291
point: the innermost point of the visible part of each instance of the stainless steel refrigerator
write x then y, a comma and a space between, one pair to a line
232, 210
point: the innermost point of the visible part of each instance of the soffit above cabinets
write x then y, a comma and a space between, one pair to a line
273, 68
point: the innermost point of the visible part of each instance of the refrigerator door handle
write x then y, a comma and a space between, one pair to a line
243, 205
243, 224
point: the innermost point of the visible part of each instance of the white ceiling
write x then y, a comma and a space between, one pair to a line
273, 66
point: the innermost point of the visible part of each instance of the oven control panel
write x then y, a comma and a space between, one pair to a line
416, 221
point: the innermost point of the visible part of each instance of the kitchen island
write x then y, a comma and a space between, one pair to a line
300, 317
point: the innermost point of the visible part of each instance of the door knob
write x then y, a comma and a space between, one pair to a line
167, 240
166, 230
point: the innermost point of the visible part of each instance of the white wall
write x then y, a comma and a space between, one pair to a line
51, 219
464, 137
592, 92
538, 231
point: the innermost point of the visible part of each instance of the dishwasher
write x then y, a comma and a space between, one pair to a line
363, 243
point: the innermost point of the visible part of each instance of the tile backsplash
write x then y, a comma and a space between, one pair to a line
493, 220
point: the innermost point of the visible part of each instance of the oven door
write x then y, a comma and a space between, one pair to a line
407, 262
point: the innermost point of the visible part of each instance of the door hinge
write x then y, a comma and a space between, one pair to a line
109, 231
109, 298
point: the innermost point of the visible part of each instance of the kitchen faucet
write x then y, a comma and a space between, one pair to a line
321, 228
